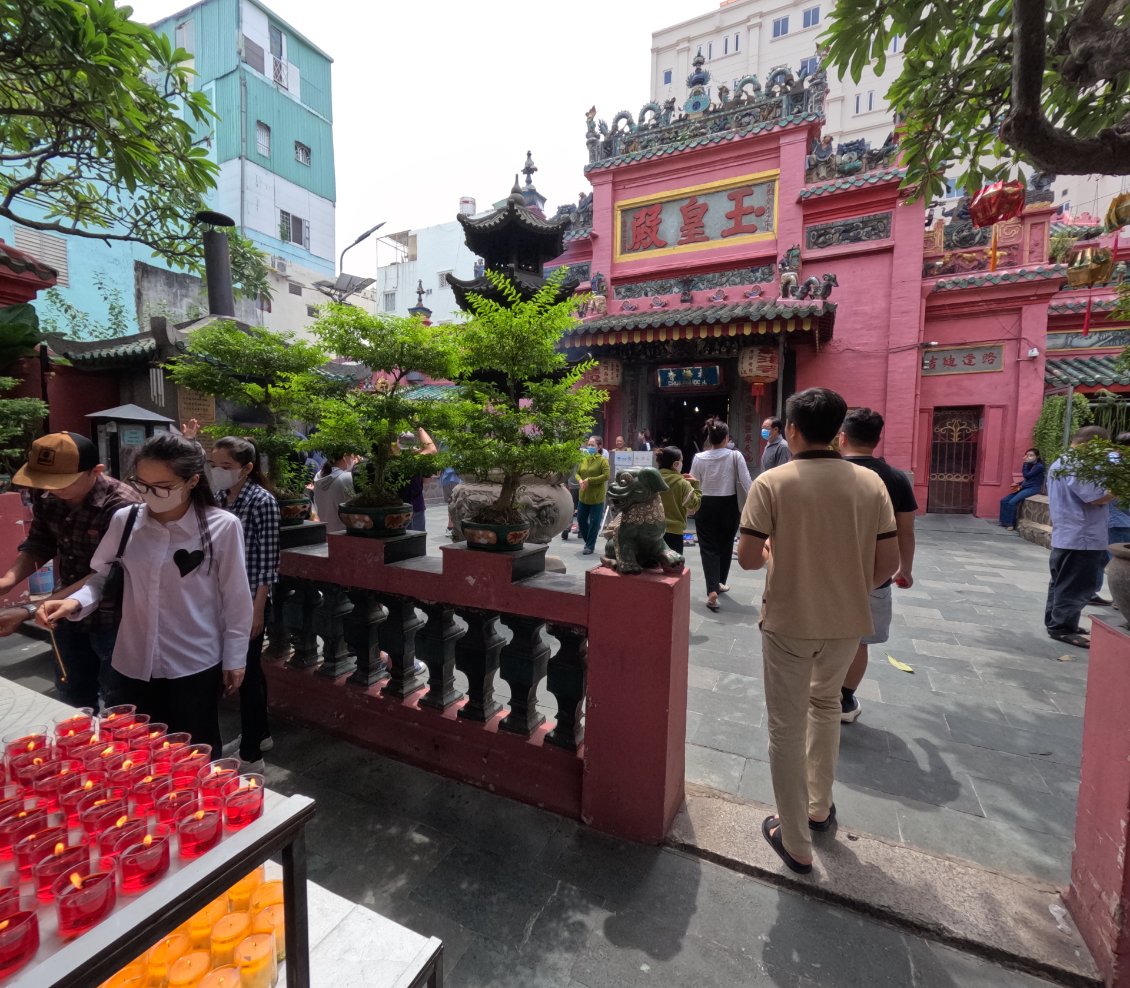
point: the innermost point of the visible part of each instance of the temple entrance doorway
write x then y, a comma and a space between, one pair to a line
677, 420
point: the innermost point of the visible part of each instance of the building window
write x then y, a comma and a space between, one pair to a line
253, 54
896, 44
737, 42
709, 50
870, 100
183, 37
294, 229
808, 66
301, 153
264, 302
390, 302
666, 77
293, 288
726, 45
46, 249
811, 17
312, 311
863, 105
262, 138
279, 67
780, 27
443, 279
858, 102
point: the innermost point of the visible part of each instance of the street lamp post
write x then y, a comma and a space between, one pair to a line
364, 236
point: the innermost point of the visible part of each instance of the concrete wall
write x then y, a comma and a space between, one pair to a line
439, 249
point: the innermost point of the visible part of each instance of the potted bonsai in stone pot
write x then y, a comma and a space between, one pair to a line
257, 368
522, 412
1106, 465
368, 420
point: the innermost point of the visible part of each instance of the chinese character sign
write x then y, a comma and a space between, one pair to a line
963, 360
702, 376
711, 215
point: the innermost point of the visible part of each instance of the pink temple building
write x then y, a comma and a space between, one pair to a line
738, 255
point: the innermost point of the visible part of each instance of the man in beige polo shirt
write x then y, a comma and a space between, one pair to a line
827, 531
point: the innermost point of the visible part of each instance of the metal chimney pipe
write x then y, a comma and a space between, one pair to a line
217, 263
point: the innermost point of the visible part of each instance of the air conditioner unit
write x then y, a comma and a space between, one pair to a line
278, 264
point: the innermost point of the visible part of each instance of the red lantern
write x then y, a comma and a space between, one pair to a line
996, 202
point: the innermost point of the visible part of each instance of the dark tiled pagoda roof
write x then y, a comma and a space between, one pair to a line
1077, 305
852, 182
123, 352
514, 228
1095, 370
21, 262
528, 283
1042, 272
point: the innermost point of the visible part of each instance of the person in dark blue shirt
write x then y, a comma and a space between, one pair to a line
1032, 470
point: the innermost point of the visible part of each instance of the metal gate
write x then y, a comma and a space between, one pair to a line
953, 461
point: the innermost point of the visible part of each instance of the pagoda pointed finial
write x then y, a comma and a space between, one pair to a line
529, 169
420, 292
516, 193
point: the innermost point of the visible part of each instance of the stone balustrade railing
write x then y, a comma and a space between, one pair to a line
367, 636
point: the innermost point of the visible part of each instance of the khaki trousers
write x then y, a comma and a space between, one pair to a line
803, 677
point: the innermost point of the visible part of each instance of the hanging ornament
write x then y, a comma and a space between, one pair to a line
996, 202
1118, 213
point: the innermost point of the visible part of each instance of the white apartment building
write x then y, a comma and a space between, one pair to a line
753, 37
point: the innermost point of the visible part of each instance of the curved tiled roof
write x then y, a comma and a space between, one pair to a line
708, 315
852, 182
1042, 272
20, 261
664, 150
1073, 306
1096, 370
130, 351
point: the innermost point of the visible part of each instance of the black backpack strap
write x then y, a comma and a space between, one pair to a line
129, 528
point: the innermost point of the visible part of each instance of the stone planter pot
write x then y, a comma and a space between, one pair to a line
1118, 579
375, 522
495, 538
293, 510
546, 506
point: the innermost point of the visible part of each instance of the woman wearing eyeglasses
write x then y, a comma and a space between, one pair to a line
186, 600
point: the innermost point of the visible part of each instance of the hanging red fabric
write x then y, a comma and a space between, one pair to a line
1087, 315
996, 202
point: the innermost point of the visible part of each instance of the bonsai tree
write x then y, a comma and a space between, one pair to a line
522, 408
368, 420
1103, 464
274, 373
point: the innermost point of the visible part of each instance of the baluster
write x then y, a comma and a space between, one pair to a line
336, 659
523, 667
398, 638
361, 634
477, 657
436, 646
278, 634
566, 681
305, 634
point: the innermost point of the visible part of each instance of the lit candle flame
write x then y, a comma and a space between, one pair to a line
76, 879
147, 840
107, 751
127, 764
198, 815
4, 925
31, 746
148, 778
100, 802
88, 784
70, 733
60, 847
121, 820
253, 784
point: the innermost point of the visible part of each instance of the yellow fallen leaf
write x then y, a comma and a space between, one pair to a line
900, 666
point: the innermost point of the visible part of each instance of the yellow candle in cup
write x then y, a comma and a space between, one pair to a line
255, 958
131, 976
221, 977
188, 971
164, 954
267, 894
226, 934
200, 926
272, 919
239, 895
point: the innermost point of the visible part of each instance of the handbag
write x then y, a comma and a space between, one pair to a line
740, 492
115, 583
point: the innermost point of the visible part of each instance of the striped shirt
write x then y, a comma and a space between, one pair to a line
258, 511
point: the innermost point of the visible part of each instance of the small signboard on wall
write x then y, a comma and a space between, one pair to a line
689, 378
962, 360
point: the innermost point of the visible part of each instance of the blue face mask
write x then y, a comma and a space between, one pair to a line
590, 450
764, 433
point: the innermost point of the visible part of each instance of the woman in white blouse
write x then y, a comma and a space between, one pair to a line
186, 602
724, 477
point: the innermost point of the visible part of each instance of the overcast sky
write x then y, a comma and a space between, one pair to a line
436, 100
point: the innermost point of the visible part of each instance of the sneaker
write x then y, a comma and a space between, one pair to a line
231, 749
267, 743
256, 766
849, 710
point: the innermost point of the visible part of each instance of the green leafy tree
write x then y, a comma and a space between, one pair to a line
987, 84
258, 368
1047, 436
368, 421
97, 120
63, 318
1102, 463
21, 419
522, 408
19, 332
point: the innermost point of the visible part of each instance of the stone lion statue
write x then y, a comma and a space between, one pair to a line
635, 533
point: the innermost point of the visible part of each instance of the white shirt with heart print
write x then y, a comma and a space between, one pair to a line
180, 614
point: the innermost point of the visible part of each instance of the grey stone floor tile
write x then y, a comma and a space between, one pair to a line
727, 735
1015, 696
1047, 813
721, 644
709, 703
757, 782
976, 732
929, 781
1063, 780
694, 718
744, 661
936, 966
716, 769
703, 677
1069, 703
744, 687
1045, 722
978, 762
1061, 677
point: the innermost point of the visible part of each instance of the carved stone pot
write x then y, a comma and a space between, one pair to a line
1118, 578
545, 504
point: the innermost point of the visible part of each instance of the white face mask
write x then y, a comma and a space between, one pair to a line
173, 501
221, 479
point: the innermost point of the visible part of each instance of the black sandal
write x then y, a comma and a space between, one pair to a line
824, 825
778, 845
1072, 638
713, 605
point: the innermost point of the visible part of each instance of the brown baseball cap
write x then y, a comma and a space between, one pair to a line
57, 461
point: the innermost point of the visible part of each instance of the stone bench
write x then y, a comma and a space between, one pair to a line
1034, 521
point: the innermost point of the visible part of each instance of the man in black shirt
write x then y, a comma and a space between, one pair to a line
860, 434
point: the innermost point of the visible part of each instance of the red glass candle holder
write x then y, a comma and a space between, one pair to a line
75, 745
198, 831
215, 779
244, 803
83, 898
144, 861
111, 839
10, 896
137, 727
164, 750
46, 871
188, 761
67, 774
146, 791
123, 780
115, 717
170, 804
98, 754
70, 798
19, 940
26, 767
33, 847
26, 740
98, 811
81, 720
153, 734
18, 825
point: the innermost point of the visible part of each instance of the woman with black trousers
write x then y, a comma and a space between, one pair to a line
724, 478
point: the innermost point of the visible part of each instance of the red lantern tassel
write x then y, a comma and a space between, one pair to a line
1087, 315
